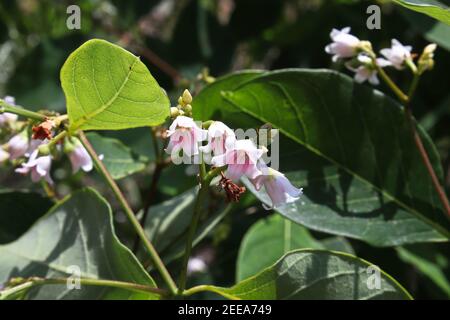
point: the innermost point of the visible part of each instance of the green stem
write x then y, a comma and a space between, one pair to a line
6, 107
205, 181
398, 92
203, 288
36, 281
57, 138
130, 214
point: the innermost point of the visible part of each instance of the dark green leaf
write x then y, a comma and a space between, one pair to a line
78, 231
432, 8
338, 122
432, 30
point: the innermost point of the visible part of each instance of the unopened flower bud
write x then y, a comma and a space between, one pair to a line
426, 60
69, 146
188, 108
174, 112
187, 97
4, 155
366, 47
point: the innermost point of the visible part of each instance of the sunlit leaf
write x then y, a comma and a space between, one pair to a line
108, 88
316, 274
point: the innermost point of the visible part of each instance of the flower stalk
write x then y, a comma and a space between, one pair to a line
406, 99
205, 181
26, 284
130, 214
6, 107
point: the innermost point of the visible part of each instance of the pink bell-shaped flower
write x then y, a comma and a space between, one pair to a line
80, 158
278, 187
218, 136
39, 167
18, 145
397, 54
8, 118
184, 135
241, 157
344, 44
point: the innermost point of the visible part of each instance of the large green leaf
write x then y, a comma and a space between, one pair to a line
269, 239
355, 142
336, 204
316, 274
206, 102
18, 211
108, 88
432, 8
78, 231
118, 158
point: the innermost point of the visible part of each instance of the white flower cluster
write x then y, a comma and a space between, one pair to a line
240, 157
363, 61
23, 150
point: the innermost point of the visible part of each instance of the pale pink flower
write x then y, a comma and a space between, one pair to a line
344, 44
219, 135
397, 54
184, 135
278, 187
80, 158
8, 118
241, 157
4, 155
39, 167
365, 71
18, 145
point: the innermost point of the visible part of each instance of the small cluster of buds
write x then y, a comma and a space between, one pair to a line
29, 148
184, 107
239, 157
362, 60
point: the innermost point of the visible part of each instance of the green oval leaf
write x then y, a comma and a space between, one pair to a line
271, 238
432, 8
78, 231
315, 274
108, 88
353, 141
117, 158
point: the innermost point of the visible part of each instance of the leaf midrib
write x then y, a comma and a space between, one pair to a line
92, 114
348, 170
